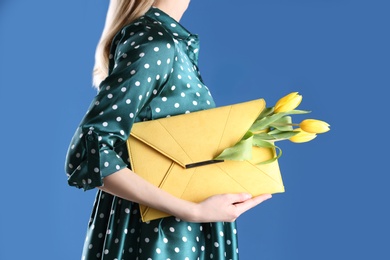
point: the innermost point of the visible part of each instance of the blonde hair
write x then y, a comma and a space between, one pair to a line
119, 13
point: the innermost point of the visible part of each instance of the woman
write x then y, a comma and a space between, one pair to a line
146, 68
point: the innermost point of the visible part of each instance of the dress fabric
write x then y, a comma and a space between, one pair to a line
153, 73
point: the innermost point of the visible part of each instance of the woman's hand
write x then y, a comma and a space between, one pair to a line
224, 207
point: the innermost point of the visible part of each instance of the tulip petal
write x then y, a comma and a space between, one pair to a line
288, 102
302, 136
285, 99
314, 126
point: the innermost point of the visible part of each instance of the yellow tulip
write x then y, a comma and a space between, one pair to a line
288, 102
302, 136
314, 126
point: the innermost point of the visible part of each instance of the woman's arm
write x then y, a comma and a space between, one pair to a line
226, 207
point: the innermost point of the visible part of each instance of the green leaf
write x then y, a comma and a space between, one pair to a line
272, 159
274, 132
283, 124
266, 112
261, 143
296, 112
265, 122
285, 135
239, 152
247, 135
276, 135
264, 136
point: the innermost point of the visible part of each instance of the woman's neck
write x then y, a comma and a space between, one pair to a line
174, 8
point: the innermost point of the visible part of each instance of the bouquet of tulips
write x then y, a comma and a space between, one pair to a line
275, 124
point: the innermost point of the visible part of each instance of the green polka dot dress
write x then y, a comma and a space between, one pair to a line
153, 73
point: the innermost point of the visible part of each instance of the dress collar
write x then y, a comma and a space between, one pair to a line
177, 31
175, 28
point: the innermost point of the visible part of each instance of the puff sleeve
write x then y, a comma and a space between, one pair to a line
140, 64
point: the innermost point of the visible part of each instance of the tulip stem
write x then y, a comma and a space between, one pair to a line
280, 124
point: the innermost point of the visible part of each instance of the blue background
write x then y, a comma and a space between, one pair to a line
335, 53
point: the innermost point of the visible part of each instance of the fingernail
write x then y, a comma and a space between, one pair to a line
248, 195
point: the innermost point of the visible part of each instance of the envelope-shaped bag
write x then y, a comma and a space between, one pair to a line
176, 154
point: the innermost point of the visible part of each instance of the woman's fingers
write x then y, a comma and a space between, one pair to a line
226, 207
234, 198
252, 202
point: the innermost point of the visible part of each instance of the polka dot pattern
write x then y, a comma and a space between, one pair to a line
153, 73
168, 238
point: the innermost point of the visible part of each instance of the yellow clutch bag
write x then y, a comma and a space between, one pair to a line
176, 154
